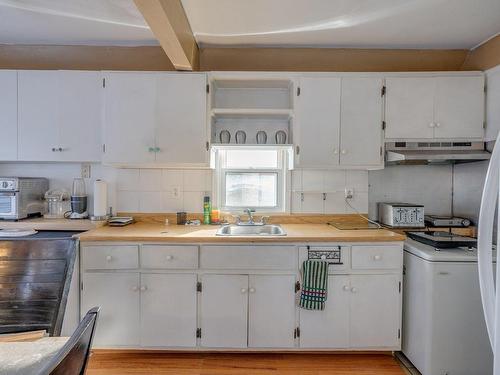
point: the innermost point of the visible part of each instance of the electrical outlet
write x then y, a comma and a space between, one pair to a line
85, 170
176, 192
349, 193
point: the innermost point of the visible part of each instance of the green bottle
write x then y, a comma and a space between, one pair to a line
207, 208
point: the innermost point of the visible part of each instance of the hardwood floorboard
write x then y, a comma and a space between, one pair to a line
116, 363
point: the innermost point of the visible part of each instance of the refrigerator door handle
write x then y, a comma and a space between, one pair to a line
485, 236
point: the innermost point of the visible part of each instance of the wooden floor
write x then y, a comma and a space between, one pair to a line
242, 364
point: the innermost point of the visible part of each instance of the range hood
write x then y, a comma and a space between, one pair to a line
434, 152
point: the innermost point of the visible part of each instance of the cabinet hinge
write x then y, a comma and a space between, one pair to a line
104, 82
104, 148
297, 150
207, 145
296, 333
399, 287
404, 269
199, 287
81, 285
298, 90
198, 333
297, 286
208, 88
382, 92
399, 333
381, 151
383, 125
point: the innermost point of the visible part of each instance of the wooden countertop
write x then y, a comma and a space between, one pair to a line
40, 223
149, 232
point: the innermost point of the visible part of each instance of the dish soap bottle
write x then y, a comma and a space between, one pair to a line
206, 210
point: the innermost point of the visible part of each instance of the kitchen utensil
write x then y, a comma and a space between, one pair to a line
280, 137
401, 215
241, 137
225, 136
78, 200
57, 203
181, 218
261, 137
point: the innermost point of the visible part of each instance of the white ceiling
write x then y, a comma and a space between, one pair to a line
324, 23
91, 22
344, 23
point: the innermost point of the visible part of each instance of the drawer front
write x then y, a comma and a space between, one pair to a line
166, 257
376, 257
248, 257
110, 257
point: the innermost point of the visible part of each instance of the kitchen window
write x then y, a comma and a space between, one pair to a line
251, 178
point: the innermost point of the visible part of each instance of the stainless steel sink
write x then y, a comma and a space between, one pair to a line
251, 230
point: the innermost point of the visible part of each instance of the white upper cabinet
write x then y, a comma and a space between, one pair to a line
459, 108
361, 122
446, 107
129, 117
8, 114
59, 116
155, 118
317, 133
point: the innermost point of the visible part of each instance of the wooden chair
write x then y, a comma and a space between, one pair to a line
72, 358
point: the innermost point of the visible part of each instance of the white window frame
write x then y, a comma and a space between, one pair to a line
281, 182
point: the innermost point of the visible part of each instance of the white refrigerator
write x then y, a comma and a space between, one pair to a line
490, 294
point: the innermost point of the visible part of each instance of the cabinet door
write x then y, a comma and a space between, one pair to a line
409, 107
8, 115
224, 308
459, 108
361, 122
117, 294
271, 316
168, 310
328, 328
38, 115
130, 117
375, 311
182, 129
318, 122
80, 116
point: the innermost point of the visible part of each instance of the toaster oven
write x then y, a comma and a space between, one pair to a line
401, 215
21, 197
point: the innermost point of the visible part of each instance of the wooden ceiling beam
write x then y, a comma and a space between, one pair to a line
169, 24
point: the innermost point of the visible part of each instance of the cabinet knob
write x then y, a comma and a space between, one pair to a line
431, 125
109, 258
377, 257
354, 290
346, 288
169, 257
243, 291
157, 149
251, 290
135, 289
60, 149
144, 288
335, 151
151, 149
438, 124
343, 152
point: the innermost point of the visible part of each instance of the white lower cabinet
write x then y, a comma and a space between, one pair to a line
362, 311
168, 310
117, 294
262, 305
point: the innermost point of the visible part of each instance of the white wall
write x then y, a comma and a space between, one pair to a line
430, 185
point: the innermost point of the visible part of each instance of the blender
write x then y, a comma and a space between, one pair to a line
78, 200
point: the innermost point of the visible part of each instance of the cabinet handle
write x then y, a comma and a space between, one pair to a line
343, 152
135, 289
157, 149
438, 124
252, 290
243, 290
169, 257
377, 257
346, 288
335, 151
54, 149
144, 288
354, 290
151, 149
108, 258
431, 125
60, 149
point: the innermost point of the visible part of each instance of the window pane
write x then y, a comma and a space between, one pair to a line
251, 159
251, 189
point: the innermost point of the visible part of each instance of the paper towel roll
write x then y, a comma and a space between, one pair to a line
100, 198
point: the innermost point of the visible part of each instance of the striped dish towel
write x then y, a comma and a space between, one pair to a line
314, 285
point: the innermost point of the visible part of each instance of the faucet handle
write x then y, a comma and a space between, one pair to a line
237, 219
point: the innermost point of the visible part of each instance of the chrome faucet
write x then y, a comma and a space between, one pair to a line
250, 216
251, 221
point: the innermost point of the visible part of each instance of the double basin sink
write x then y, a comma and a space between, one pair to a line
251, 230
